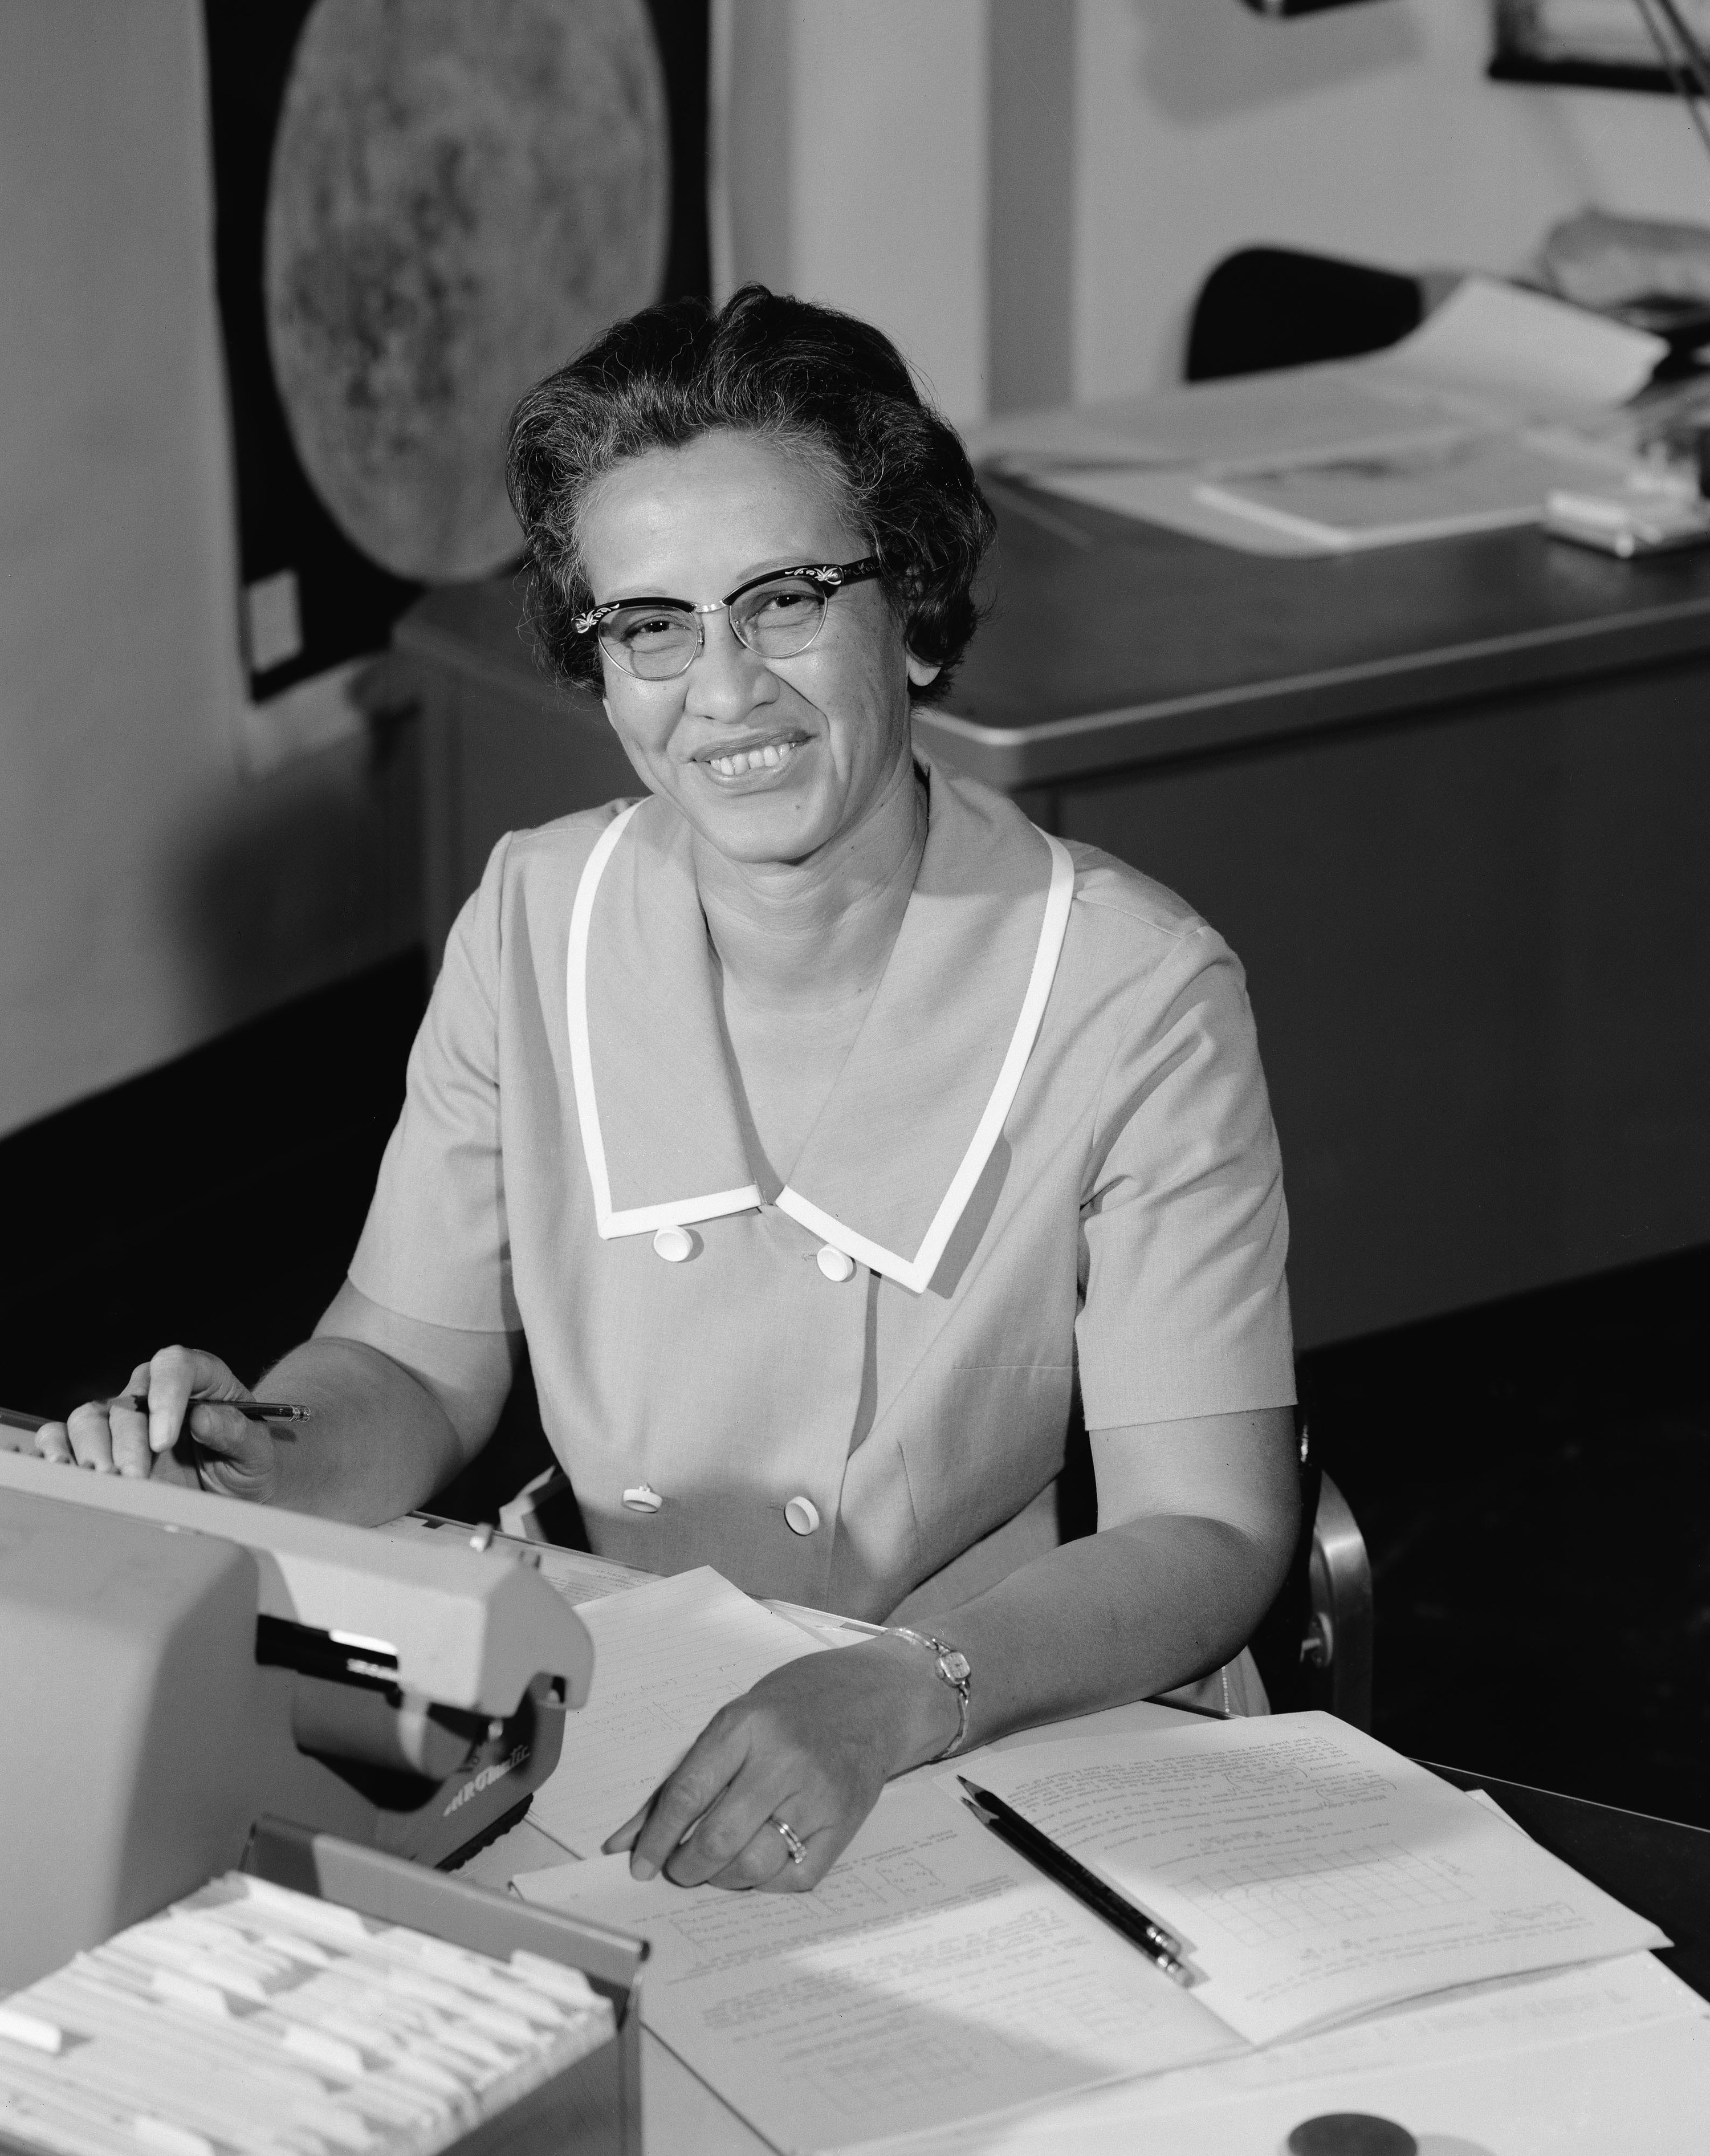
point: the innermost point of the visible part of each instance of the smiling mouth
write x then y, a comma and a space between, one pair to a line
769, 756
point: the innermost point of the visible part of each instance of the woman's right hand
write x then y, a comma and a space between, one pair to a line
185, 1436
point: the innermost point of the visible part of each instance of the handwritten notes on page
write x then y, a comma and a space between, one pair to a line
666, 1657
1313, 1873
932, 1976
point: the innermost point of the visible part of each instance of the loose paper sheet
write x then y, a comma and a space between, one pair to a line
666, 1657
1492, 338
1312, 1873
933, 1975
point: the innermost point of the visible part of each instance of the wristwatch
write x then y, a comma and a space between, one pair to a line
956, 1670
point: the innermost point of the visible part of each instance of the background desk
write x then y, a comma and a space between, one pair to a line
1447, 801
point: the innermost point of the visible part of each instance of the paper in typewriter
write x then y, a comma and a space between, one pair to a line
932, 1976
1313, 1873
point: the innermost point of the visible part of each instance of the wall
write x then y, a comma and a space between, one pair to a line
151, 894
1028, 193
854, 151
1370, 131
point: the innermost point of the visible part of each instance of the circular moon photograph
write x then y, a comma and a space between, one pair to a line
463, 192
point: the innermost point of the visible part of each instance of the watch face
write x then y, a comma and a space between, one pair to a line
956, 1666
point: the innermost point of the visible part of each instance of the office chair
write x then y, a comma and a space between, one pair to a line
1266, 307
1314, 1647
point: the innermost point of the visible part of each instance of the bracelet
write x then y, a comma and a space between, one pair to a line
956, 1670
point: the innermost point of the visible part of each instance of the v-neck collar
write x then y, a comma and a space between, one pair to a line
893, 1158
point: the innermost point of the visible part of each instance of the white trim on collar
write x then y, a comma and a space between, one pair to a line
917, 1272
914, 1273
639, 1219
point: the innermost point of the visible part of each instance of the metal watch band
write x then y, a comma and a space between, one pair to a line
955, 1670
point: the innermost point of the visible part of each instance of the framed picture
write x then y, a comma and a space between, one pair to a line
1599, 44
418, 212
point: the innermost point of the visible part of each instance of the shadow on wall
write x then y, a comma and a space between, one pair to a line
316, 876
1205, 59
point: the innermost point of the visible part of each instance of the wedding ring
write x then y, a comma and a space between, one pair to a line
792, 1842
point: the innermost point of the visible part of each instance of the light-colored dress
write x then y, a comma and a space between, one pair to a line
1048, 1158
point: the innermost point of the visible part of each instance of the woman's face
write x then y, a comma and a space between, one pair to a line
769, 760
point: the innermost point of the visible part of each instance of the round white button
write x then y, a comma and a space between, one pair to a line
641, 1499
801, 1516
836, 1264
674, 1244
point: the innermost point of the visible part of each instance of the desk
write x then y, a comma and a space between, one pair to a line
1657, 1866
1447, 801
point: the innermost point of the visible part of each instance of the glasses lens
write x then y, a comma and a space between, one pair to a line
655, 642
779, 618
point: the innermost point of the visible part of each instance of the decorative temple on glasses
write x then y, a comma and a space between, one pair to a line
774, 616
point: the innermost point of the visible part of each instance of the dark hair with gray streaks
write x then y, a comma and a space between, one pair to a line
819, 384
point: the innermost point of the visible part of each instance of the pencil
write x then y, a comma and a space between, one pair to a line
251, 1410
1159, 1946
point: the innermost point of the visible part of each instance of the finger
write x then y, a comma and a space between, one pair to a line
623, 1837
823, 1850
763, 1859
740, 1812
176, 1469
695, 1784
171, 1379
127, 1429
91, 1439
53, 1442
219, 1428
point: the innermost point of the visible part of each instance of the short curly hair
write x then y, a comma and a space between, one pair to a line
817, 383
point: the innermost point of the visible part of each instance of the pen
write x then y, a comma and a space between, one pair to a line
251, 1410
1159, 1946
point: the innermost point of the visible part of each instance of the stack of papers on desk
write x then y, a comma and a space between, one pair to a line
1469, 423
935, 1977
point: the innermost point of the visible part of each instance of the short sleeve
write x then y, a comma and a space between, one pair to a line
436, 1245
1184, 1231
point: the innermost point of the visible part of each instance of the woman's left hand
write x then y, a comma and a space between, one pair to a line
810, 1746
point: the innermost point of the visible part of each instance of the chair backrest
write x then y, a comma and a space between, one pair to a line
1267, 307
1314, 1647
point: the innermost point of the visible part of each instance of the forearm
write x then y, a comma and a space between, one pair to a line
1197, 1522
377, 1442
1120, 1615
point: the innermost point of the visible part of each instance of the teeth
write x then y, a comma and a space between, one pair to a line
771, 757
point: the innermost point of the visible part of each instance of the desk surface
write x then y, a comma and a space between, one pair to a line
1197, 647
1194, 647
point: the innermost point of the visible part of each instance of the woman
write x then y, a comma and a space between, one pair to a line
818, 1121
